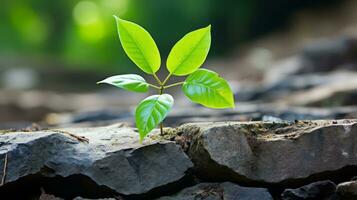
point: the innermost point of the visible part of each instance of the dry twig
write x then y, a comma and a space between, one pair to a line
79, 138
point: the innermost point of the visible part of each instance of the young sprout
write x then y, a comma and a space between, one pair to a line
202, 86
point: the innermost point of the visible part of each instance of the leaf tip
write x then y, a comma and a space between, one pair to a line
207, 28
99, 82
118, 19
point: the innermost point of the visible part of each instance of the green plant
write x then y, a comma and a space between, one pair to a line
188, 54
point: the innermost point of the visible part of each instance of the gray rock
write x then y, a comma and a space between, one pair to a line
290, 85
243, 112
220, 191
347, 190
327, 55
321, 190
322, 56
332, 94
113, 158
270, 152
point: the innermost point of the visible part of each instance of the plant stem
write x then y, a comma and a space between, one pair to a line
162, 128
162, 87
166, 79
162, 123
154, 86
157, 79
175, 84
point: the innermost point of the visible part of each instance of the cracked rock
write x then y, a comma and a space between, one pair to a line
272, 152
112, 161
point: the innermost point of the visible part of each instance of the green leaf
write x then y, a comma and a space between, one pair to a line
151, 111
130, 82
139, 46
207, 88
190, 52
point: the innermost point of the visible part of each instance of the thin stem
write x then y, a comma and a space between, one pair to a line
157, 79
154, 86
166, 79
175, 84
162, 128
162, 123
162, 87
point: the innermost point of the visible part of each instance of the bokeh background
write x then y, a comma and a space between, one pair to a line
281, 58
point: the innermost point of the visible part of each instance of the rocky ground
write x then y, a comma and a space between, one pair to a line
228, 160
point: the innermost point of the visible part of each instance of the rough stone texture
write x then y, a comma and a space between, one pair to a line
347, 190
315, 191
220, 191
113, 158
272, 152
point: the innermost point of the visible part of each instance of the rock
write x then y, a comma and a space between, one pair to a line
315, 191
288, 85
219, 191
327, 55
329, 63
179, 116
328, 95
347, 190
112, 162
284, 68
278, 153
36, 104
322, 56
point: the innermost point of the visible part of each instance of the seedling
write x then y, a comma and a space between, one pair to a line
202, 86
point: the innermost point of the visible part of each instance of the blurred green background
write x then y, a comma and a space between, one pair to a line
81, 34
53, 52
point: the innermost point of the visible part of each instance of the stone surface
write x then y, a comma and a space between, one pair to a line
220, 191
287, 86
272, 152
327, 55
113, 158
243, 112
321, 56
347, 190
327, 95
315, 191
